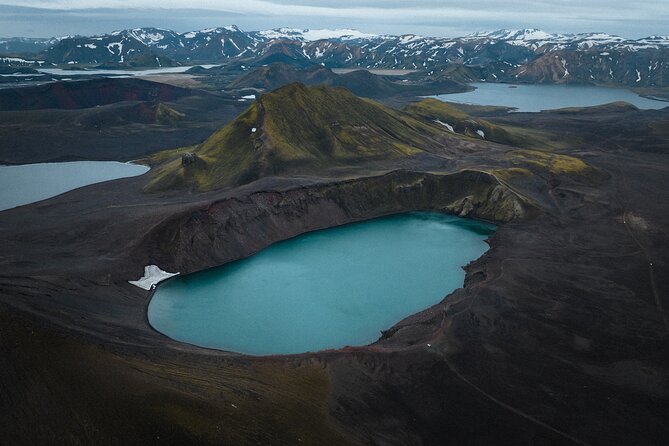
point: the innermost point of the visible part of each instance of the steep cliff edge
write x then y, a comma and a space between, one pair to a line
235, 228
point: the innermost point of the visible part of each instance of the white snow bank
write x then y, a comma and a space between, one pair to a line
448, 126
481, 133
249, 96
152, 276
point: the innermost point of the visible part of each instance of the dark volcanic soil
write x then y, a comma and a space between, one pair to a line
560, 335
106, 119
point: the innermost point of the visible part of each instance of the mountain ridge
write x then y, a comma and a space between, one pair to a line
527, 55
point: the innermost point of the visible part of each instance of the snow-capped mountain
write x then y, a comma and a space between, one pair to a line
155, 46
18, 45
528, 55
541, 41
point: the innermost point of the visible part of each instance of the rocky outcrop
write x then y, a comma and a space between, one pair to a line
188, 158
499, 204
234, 228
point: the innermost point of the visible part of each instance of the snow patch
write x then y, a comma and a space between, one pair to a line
232, 42
152, 276
448, 126
253, 130
481, 133
564, 66
118, 46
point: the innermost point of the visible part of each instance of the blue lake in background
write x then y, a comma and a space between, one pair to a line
534, 98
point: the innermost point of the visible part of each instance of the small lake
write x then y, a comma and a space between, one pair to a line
534, 98
322, 290
29, 183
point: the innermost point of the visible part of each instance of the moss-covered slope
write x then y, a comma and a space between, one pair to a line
299, 129
460, 122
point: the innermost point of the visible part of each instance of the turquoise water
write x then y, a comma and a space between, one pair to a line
322, 290
29, 183
534, 98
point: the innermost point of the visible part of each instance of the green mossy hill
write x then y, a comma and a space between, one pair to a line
298, 129
449, 115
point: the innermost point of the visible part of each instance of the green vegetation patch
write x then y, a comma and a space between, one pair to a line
612, 107
467, 125
511, 173
167, 115
551, 162
436, 109
462, 123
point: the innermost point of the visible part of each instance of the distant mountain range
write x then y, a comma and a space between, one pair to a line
527, 55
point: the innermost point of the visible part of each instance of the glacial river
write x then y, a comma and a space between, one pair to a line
322, 290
